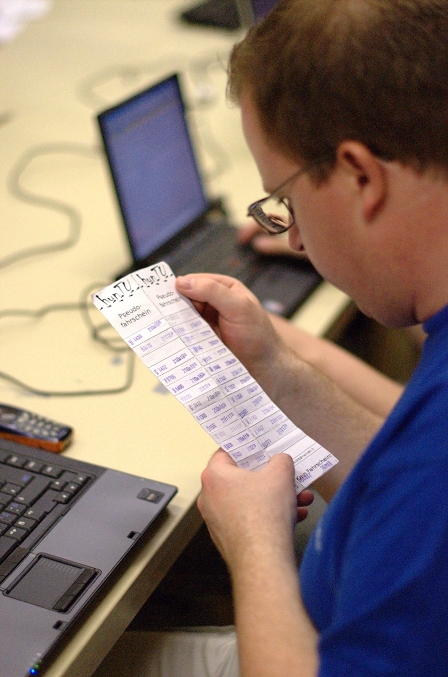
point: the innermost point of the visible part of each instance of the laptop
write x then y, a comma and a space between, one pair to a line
67, 528
165, 209
227, 14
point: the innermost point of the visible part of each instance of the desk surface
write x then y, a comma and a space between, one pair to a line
84, 56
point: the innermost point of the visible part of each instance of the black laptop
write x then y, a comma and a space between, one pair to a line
165, 209
228, 14
67, 528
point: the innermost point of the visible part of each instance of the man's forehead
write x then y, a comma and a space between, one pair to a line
271, 163
253, 131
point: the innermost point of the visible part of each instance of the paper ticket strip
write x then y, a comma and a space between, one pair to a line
183, 352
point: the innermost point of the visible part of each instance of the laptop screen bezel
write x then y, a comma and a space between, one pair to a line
172, 80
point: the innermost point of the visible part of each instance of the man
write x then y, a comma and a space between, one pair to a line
344, 107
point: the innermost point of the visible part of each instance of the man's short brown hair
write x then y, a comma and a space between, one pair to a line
324, 71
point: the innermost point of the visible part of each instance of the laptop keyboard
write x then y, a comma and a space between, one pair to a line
33, 496
280, 283
225, 257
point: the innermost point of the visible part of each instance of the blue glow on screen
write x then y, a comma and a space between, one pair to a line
153, 165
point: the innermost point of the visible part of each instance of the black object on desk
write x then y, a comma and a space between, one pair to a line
227, 14
214, 13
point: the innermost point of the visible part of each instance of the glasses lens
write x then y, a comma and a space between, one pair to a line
274, 215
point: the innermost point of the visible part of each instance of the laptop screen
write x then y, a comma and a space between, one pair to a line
153, 166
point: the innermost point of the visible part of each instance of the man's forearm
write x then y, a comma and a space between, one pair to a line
323, 411
364, 384
275, 635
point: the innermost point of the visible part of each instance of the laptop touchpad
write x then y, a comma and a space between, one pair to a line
52, 583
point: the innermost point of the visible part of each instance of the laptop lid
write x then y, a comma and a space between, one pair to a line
227, 14
251, 11
153, 166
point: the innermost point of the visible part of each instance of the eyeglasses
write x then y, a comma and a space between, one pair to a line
275, 214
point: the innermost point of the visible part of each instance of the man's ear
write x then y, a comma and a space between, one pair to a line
368, 175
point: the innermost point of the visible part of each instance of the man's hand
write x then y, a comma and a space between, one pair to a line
245, 510
266, 244
238, 318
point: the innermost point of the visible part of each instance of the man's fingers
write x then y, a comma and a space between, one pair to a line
247, 232
214, 290
306, 497
274, 246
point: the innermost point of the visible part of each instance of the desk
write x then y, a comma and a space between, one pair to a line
82, 57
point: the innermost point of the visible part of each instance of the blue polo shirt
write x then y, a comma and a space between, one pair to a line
374, 576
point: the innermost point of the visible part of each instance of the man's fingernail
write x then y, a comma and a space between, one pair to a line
185, 282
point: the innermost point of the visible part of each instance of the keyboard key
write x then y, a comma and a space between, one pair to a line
81, 479
17, 534
7, 517
58, 485
25, 523
16, 508
11, 561
29, 494
7, 545
17, 461
15, 475
63, 497
4, 500
51, 471
47, 501
72, 488
11, 489
35, 513
33, 465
